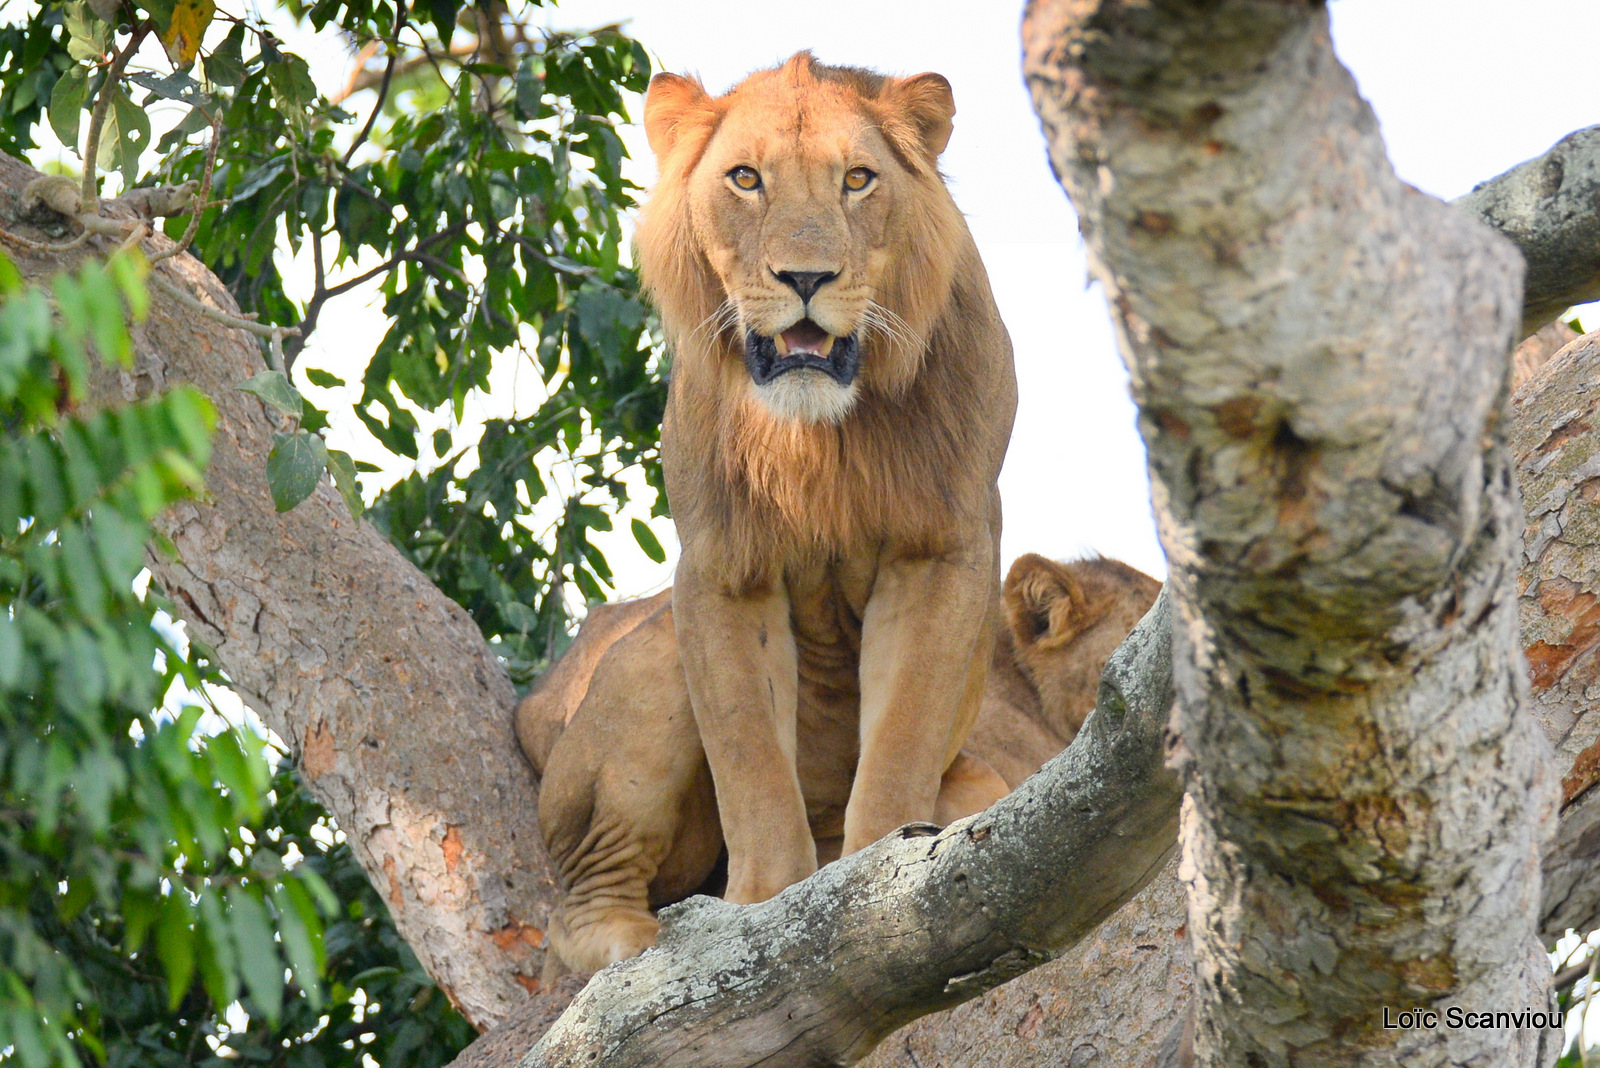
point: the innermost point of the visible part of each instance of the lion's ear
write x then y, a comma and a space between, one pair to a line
928, 103
1045, 604
674, 103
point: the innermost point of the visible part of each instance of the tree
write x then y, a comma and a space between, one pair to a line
1311, 342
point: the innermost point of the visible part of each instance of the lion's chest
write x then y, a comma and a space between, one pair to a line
826, 604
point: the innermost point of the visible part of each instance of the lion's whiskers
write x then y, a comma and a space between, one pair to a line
724, 316
880, 320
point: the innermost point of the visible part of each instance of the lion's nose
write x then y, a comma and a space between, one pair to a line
806, 283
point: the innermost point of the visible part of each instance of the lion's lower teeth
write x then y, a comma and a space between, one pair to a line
826, 346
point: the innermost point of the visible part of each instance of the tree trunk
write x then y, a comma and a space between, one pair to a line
1558, 467
1319, 356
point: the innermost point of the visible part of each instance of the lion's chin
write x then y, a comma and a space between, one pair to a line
806, 396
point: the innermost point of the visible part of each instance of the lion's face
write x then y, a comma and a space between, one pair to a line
812, 190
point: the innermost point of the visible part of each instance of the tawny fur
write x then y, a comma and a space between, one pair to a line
626, 804
839, 571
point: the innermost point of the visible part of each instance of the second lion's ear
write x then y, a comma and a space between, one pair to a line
672, 105
927, 101
1044, 602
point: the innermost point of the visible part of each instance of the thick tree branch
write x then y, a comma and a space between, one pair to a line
1550, 207
1319, 357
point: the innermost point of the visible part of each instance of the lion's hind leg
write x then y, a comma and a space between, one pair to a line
969, 785
605, 916
626, 805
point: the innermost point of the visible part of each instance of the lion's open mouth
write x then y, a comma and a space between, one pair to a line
805, 346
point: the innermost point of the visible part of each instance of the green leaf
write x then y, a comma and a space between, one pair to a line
131, 135
300, 930
258, 179
77, 556
648, 542
232, 766
174, 86
274, 388
139, 911
87, 36
322, 378
175, 945
194, 417
343, 469
66, 104
10, 652
219, 962
294, 465
259, 962
292, 89
80, 891
225, 66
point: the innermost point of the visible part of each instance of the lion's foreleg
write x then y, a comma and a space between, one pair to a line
925, 644
739, 659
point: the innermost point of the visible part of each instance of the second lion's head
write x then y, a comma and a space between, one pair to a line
800, 236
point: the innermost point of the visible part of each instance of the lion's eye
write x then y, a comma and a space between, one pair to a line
745, 178
858, 178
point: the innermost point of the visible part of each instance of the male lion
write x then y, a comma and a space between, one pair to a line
842, 393
626, 803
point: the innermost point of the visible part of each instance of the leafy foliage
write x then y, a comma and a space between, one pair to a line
157, 878
481, 194
148, 874
116, 830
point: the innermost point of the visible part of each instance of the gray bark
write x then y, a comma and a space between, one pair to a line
1319, 355
1550, 207
397, 711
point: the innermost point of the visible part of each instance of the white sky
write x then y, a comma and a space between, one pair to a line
1463, 92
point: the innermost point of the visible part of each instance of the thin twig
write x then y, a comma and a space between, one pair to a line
1588, 999
414, 254
377, 106
139, 232
383, 89
44, 246
97, 117
352, 86
319, 296
193, 303
202, 199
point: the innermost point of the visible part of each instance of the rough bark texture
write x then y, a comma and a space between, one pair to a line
1319, 354
1537, 349
919, 921
1550, 207
1558, 467
1107, 1001
397, 710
